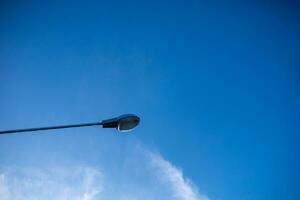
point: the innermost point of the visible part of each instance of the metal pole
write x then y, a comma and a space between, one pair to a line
50, 128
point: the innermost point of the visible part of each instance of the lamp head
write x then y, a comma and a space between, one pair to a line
123, 123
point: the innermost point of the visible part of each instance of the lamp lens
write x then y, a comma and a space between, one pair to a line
128, 123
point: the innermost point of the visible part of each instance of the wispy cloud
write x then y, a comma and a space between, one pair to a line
153, 177
182, 188
80, 183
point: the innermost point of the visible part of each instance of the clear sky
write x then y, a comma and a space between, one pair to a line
215, 83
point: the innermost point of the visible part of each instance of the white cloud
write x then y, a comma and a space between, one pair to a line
81, 183
182, 188
144, 176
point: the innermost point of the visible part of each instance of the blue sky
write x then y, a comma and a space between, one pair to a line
215, 84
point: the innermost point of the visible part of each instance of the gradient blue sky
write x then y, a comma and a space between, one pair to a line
215, 83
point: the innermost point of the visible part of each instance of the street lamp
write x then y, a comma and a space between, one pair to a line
123, 123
